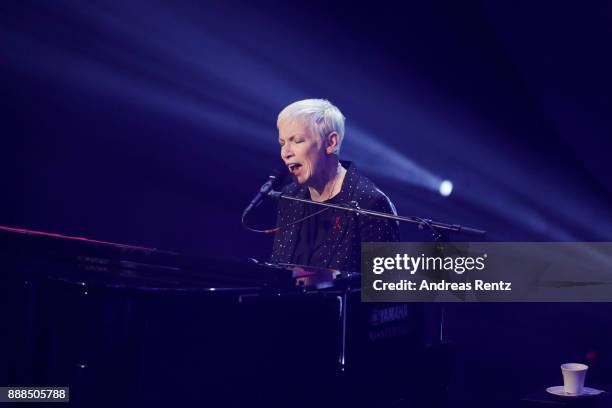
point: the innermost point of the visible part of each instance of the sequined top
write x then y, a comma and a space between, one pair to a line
341, 248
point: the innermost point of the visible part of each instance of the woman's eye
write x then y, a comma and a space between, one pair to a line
299, 141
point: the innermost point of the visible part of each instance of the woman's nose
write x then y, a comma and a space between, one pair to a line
286, 152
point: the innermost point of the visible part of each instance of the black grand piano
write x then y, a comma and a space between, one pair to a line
130, 326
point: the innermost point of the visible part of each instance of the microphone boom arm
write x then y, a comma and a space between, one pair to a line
435, 225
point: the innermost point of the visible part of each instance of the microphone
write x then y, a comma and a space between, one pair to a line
264, 190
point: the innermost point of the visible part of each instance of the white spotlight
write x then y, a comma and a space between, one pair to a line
446, 188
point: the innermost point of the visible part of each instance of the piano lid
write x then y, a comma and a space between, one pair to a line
85, 261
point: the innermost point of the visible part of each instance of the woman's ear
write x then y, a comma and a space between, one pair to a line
332, 143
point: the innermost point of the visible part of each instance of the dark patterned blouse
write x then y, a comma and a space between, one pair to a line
333, 238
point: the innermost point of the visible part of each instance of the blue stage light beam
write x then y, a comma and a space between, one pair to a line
175, 85
370, 152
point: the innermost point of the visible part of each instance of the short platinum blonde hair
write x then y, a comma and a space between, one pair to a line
323, 116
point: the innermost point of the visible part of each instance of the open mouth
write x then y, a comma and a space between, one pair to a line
294, 167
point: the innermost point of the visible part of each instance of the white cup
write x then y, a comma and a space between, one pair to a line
573, 377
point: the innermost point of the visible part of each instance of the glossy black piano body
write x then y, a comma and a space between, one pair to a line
130, 326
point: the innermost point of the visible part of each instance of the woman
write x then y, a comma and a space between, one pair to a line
311, 132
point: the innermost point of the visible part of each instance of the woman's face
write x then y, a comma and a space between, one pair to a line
302, 150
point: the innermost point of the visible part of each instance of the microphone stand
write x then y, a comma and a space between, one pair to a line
438, 228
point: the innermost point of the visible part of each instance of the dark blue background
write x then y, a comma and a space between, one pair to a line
154, 124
